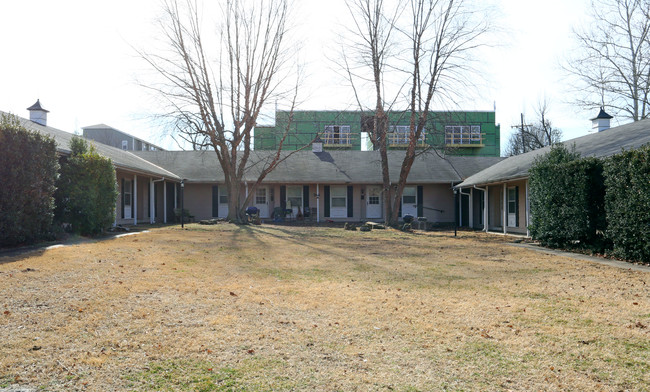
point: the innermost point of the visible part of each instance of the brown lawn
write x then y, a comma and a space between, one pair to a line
268, 308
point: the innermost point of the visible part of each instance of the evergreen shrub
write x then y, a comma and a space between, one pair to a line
627, 202
567, 200
28, 169
86, 190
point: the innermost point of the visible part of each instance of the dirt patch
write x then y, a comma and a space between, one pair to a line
304, 308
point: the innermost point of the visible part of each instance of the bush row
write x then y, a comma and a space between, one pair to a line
28, 168
598, 204
41, 193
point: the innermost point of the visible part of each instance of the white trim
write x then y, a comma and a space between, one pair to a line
527, 211
151, 201
504, 214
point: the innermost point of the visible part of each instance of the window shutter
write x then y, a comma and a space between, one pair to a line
132, 201
350, 201
305, 198
215, 201
399, 213
420, 199
149, 200
327, 201
517, 206
155, 199
283, 197
122, 198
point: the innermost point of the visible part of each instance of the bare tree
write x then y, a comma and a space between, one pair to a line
215, 97
540, 133
612, 63
422, 50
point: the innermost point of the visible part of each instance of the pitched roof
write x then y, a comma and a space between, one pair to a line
37, 106
327, 167
121, 159
601, 144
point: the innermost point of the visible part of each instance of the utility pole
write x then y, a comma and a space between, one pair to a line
522, 129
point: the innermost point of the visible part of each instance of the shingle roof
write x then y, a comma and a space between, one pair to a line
121, 159
601, 144
328, 167
37, 106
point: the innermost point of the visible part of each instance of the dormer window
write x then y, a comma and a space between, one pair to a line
463, 135
337, 134
399, 135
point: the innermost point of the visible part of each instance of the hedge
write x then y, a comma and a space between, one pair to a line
86, 190
627, 202
28, 168
567, 200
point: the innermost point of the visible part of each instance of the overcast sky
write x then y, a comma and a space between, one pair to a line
77, 58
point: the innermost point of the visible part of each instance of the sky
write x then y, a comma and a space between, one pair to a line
78, 58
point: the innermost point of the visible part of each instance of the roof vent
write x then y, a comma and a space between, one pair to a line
37, 114
317, 145
601, 121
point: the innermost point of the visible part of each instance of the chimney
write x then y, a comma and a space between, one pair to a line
601, 121
37, 114
317, 145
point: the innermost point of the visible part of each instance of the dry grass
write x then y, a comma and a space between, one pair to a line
226, 308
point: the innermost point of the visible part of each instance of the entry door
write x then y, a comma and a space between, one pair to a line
223, 201
374, 203
409, 201
126, 199
512, 207
262, 201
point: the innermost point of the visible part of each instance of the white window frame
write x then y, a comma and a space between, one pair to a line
463, 134
339, 193
399, 134
337, 134
125, 145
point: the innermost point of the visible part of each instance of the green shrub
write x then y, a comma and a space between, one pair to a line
86, 190
567, 200
627, 202
28, 169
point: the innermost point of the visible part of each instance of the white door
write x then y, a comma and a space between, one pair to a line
126, 199
512, 207
223, 201
262, 201
339, 202
374, 203
409, 201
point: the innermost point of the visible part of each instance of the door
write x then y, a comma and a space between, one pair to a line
262, 201
409, 201
512, 207
126, 199
374, 203
223, 201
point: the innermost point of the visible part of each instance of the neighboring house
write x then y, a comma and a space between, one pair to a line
497, 199
108, 135
457, 132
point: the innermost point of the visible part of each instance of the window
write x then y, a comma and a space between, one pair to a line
125, 144
463, 134
512, 201
399, 134
294, 196
337, 134
223, 195
409, 195
339, 197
